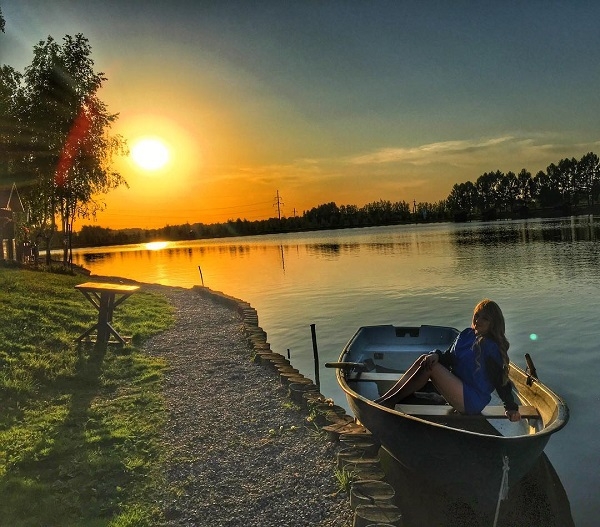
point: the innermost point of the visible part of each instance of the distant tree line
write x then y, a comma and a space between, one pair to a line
564, 188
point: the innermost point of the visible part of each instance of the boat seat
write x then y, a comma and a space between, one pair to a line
374, 376
393, 348
445, 410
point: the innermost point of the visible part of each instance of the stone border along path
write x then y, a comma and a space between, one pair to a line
238, 453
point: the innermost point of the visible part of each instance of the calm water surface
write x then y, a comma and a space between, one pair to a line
544, 274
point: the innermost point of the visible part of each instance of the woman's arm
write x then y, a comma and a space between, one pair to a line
505, 390
446, 358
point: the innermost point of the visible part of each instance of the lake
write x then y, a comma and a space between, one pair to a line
544, 274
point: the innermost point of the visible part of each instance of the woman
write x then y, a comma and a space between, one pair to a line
467, 374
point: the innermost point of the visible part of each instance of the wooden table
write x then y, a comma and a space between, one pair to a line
105, 298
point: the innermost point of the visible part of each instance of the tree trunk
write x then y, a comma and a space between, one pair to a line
48, 255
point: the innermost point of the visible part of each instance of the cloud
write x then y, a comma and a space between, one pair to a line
432, 152
476, 156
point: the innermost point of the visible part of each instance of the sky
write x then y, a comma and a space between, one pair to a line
324, 101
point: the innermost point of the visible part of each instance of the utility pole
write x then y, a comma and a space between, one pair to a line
278, 203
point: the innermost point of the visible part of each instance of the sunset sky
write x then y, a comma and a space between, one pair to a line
324, 101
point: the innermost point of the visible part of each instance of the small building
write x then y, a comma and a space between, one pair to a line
11, 207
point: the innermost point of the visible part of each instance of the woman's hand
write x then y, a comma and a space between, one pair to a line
430, 360
513, 415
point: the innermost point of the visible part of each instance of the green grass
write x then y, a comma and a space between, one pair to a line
79, 428
344, 478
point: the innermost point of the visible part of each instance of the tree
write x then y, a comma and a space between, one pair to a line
461, 200
570, 181
1, 21
558, 183
488, 187
508, 190
589, 170
324, 216
526, 187
349, 215
10, 102
69, 152
401, 211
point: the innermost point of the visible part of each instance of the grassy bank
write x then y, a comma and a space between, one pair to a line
79, 429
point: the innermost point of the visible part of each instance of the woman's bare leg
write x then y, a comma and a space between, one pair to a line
403, 379
414, 379
449, 385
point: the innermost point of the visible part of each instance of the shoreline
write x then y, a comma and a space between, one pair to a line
238, 453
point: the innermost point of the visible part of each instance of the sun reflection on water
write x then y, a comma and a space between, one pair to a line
156, 246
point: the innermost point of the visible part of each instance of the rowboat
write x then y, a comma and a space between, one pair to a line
471, 457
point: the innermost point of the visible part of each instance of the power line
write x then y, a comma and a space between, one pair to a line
179, 213
232, 206
233, 210
192, 215
181, 217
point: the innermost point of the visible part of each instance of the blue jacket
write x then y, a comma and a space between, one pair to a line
480, 370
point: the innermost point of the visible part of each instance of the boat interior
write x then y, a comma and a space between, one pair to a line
387, 351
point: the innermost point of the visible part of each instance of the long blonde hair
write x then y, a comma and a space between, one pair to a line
492, 311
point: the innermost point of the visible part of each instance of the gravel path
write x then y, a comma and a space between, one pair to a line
238, 454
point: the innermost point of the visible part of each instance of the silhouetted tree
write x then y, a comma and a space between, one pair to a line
324, 216
507, 191
462, 200
589, 171
487, 193
526, 188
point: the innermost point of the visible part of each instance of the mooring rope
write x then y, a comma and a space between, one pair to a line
503, 494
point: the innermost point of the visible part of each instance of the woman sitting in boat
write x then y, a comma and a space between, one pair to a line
467, 373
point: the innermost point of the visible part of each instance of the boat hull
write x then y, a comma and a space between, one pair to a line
469, 466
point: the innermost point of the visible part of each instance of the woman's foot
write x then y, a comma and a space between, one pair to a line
388, 402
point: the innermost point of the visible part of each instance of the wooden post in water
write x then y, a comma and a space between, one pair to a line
316, 355
201, 277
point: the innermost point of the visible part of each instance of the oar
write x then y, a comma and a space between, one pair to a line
367, 365
530, 370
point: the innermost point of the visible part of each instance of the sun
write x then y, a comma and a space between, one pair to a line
150, 153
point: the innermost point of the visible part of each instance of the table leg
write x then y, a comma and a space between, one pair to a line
87, 333
116, 335
104, 314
